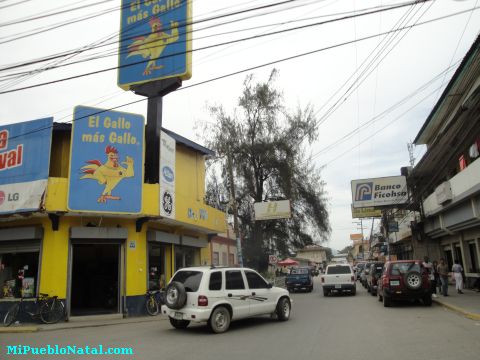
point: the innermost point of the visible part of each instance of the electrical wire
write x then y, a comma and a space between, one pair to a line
250, 69
198, 49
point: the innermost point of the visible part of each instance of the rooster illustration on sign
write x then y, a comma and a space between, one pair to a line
109, 174
153, 45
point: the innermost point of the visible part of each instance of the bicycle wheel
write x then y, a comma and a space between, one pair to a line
11, 315
51, 311
152, 306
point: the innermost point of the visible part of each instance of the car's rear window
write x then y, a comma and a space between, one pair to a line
403, 268
338, 270
299, 271
189, 279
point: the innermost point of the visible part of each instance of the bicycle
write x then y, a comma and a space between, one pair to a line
153, 301
49, 309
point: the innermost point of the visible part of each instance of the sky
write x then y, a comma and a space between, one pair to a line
372, 89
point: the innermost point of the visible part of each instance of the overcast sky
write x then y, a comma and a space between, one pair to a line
402, 63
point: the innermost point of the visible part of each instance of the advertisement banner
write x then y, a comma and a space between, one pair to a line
106, 161
155, 41
367, 212
24, 164
167, 176
272, 210
378, 192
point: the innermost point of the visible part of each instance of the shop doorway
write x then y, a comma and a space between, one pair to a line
95, 279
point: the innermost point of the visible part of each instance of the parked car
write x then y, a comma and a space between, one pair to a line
404, 280
299, 279
358, 268
365, 272
338, 278
375, 272
219, 295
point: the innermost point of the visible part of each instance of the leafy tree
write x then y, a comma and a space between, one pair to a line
264, 143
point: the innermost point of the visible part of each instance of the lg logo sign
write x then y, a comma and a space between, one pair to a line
8, 197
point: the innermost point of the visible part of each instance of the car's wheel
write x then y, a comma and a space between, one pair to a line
386, 301
368, 288
175, 295
219, 320
373, 293
283, 309
427, 300
413, 280
325, 292
179, 324
310, 289
354, 291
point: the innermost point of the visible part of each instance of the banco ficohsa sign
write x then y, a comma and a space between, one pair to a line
386, 191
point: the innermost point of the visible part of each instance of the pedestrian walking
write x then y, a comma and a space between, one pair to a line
437, 278
431, 276
457, 272
443, 273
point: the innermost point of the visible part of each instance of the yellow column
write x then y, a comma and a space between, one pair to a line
136, 264
54, 262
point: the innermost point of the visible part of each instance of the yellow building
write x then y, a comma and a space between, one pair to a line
104, 262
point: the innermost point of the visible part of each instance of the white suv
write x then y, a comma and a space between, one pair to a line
217, 295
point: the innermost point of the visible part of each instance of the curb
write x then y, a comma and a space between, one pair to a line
467, 314
18, 329
70, 326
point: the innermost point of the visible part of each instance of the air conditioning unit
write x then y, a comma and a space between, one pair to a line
443, 192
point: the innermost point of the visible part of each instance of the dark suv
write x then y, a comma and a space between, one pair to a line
404, 280
373, 275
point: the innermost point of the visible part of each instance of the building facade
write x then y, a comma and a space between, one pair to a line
446, 181
102, 262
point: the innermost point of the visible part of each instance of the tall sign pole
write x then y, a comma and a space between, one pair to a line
235, 210
154, 57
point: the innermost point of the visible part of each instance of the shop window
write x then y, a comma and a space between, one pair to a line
473, 258
19, 274
215, 258
156, 266
185, 256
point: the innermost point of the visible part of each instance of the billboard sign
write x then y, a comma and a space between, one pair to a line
272, 210
378, 192
106, 162
367, 212
24, 164
155, 41
167, 176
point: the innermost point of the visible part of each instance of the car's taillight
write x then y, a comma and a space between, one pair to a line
323, 279
352, 278
202, 300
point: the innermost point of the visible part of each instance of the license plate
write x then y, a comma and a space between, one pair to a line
178, 316
394, 282
338, 286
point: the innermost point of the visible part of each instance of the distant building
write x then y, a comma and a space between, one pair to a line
223, 248
314, 253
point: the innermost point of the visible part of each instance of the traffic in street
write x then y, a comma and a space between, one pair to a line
333, 327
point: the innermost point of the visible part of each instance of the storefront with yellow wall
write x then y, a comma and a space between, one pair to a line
105, 263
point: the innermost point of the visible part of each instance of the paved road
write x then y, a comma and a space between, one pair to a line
337, 327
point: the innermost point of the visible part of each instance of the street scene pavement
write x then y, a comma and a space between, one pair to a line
333, 327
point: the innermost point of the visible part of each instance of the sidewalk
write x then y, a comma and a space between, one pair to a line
80, 322
466, 304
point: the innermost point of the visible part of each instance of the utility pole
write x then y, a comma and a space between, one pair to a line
235, 209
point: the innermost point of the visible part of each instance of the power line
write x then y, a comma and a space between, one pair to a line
212, 46
261, 66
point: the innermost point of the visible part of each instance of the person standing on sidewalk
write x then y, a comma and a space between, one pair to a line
431, 276
457, 271
443, 273
437, 277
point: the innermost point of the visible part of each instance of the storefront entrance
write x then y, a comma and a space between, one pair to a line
95, 279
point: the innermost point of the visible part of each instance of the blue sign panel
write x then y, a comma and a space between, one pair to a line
155, 41
24, 164
106, 164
